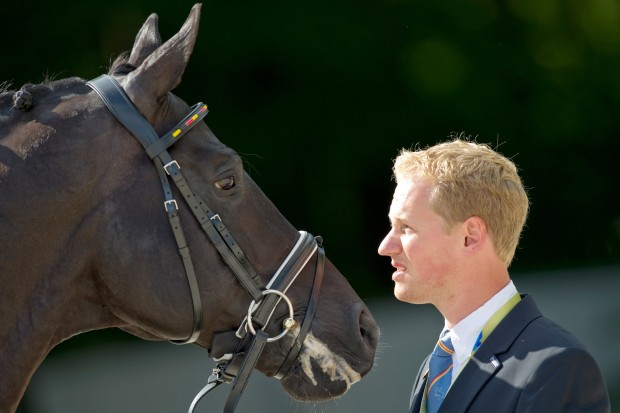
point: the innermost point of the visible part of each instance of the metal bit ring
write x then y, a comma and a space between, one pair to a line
288, 323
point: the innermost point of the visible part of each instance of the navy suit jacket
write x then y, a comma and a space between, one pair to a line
527, 364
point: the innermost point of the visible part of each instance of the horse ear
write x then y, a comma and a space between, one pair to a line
161, 71
147, 40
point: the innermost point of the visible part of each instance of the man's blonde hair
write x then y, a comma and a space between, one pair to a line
471, 179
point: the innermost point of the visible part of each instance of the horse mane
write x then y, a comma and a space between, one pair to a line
120, 66
4, 87
6, 94
48, 85
6, 100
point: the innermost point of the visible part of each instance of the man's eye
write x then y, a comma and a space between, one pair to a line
226, 183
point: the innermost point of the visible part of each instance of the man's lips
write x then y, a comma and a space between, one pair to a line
399, 270
398, 266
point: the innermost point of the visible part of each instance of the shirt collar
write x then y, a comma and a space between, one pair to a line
465, 333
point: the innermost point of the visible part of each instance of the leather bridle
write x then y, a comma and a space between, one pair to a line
236, 352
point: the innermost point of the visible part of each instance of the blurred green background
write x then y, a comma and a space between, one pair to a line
319, 96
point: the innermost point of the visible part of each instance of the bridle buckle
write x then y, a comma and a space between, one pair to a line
171, 202
173, 162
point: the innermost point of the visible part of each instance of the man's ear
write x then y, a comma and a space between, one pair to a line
475, 233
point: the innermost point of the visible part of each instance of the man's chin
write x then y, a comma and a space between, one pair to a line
407, 296
403, 295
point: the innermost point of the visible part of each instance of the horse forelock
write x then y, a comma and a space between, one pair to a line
121, 65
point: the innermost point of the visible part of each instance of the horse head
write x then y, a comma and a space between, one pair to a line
85, 241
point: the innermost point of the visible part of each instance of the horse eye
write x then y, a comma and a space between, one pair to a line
226, 183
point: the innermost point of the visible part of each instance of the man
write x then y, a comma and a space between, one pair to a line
457, 214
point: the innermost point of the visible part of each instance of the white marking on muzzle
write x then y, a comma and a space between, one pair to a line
332, 364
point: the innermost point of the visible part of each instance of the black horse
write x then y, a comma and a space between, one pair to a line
85, 242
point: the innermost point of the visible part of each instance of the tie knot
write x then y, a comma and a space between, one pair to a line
444, 346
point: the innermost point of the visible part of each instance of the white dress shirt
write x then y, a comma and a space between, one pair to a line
465, 333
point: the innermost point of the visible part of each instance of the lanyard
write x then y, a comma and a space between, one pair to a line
494, 321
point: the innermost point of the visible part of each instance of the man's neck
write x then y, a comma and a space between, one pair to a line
472, 296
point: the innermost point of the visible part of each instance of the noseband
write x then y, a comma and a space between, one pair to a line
236, 353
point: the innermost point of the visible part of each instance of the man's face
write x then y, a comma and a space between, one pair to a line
423, 251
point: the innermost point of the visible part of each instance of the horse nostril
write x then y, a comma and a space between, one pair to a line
369, 330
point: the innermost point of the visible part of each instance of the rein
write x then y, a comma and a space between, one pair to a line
250, 338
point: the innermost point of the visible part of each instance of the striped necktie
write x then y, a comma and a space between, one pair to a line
440, 373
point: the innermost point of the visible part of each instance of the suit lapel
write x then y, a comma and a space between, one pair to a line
417, 394
485, 362
481, 367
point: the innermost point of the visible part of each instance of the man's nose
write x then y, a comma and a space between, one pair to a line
389, 245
